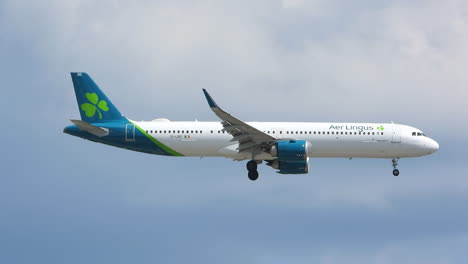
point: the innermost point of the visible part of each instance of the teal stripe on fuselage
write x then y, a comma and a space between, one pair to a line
119, 137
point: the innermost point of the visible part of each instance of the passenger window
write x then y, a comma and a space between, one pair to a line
315, 132
211, 131
381, 133
328, 132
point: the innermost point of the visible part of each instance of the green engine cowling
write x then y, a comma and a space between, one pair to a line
292, 157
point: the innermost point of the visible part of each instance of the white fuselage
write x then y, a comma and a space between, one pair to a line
337, 140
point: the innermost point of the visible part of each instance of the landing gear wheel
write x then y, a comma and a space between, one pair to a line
396, 172
252, 165
253, 175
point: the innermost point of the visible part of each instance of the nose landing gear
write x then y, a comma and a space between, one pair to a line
396, 172
252, 168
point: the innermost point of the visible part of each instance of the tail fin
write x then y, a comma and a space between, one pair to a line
94, 106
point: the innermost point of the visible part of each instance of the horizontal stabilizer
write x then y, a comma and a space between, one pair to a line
94, 130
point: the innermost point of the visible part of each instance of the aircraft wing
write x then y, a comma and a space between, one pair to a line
249, 138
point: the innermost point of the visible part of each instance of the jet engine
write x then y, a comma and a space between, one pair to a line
291, 157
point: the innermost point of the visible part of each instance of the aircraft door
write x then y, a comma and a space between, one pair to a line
129, 132
396, 136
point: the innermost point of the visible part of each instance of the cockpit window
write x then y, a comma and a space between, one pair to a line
419, 134
414, 134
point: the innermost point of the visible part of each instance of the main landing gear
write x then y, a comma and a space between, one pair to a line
396, 172
252, 168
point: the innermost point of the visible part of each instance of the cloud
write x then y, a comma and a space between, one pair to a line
264, 62
261, 60
395, 61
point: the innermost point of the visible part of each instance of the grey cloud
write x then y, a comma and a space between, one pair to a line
262, 60
389, 52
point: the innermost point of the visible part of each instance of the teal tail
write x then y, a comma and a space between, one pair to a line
94, 105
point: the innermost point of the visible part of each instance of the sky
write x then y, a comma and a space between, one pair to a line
67, 200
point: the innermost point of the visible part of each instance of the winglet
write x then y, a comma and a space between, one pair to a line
210, 100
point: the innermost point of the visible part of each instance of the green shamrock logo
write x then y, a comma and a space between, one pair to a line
381, 128
96, 105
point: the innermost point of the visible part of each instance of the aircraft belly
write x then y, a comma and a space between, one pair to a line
197, 147
351, 149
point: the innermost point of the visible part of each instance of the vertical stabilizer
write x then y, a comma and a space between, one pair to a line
94, 105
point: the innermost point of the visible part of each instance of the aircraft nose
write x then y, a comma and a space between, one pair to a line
433, 146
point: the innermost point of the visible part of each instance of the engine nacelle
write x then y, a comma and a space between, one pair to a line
292, 157
290, 167
290, 150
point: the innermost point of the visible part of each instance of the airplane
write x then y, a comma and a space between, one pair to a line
284, 146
